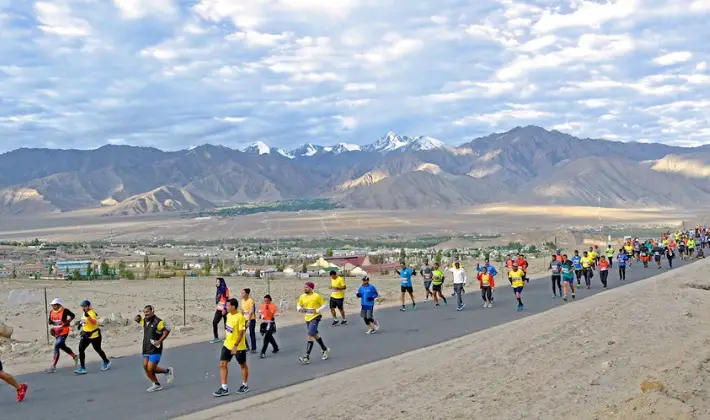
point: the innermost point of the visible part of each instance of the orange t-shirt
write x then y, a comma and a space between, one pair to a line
603, 265
267, 311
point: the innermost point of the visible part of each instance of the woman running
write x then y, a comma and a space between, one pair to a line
220, 314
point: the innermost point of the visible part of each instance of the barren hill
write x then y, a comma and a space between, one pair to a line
163, 199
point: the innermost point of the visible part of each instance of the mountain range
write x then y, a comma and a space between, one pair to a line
524, 165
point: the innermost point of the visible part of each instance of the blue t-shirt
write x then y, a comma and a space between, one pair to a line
577, 262
621, 259
406, 275
491, 270
367, 296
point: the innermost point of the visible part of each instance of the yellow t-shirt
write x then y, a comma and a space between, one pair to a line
629, 249
517, 278
248, 308
337, 282
586, 262
593, 255
235, 324
91, 328
310, 302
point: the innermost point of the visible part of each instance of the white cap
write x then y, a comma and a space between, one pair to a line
57, 301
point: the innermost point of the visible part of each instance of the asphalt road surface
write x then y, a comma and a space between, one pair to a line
119, 393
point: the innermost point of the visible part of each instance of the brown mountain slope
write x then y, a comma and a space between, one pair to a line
23, 201
159, 200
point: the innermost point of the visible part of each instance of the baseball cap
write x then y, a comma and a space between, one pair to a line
57, 301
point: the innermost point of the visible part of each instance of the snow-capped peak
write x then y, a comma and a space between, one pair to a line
285, 154
425, 143
346, 147
259, 147
391, 141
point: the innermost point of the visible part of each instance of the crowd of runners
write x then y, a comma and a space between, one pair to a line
239, 316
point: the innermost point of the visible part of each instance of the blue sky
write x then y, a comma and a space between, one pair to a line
176, 73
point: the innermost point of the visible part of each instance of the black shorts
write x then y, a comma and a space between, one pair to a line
407, 289
336, 303
226, 356
436, 287
0, 365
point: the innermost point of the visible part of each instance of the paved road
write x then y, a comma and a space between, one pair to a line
120, 392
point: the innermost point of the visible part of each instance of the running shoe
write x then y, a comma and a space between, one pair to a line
414, 306
80, 371
344, 321
564, 298
437, 305
50, 369
325, 354
402, 309
377, 326
458, 308
215, 341
169, 375
335, 323
243, 389
490, 304
274, 351
573, 296
485, 305
554, 296
369, 331
305, 359
221, 392
105, 366
21, 392
262, 356
154, 388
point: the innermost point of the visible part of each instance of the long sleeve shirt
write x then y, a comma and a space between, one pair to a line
459, 275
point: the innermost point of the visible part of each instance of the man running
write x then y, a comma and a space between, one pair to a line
367, 294
603, 270
60, 319
657, 252
517, 282
621, 260
556, 275
267, 313
427, 274
311, 304
235, 344
406, 286
155, 331
610, 255
691, 247
487, 284
567, 276
90, 335
337, 298
21, 389
587, 264
437, 284
249, 312
670, 255
577, 263
459, 276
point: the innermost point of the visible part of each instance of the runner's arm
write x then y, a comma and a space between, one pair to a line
68, 317
322, 308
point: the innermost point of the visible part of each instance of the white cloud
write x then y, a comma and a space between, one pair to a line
259, 39
277, 88
588, 14
673, 58
357, 87
514, 113
58, 20
701, 66
395, 50
137, 9
232, 120
347, 123
595, 103
537, 44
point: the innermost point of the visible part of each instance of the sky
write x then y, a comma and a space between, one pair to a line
175, 74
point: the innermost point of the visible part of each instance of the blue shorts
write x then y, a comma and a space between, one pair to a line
152, 358
312, 326
518, 289
568, 279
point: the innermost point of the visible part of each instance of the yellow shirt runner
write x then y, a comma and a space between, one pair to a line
337, 282
311, 303
91, 330
235, 324
517, 278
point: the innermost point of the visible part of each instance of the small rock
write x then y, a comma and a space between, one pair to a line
606, 365
594, 381
687, 313
611, 342
647, 386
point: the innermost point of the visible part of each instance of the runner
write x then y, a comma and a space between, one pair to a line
657, 252
90, 335
567, 276
603, 270
644, 256
249, 312
629, 250
488, 284
681, 248
587, 270
556, 275
691, 247
437, 284
311, 304
155, 331
459, 276
220, 313
235, 344
21, 389
523, 266
60, 319
610, 255
267, 313
517, 282
577, 263
426, 272
337, 298
621, 260
593, 256
406, 287
367, 294
669, 256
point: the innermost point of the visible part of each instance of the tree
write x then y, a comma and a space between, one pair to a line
89, 270
304, 268
146, 267
329, 252
437, 257
208, 267
121, 266
220, 266
402, 255
76, 275
164, 262
104, 268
